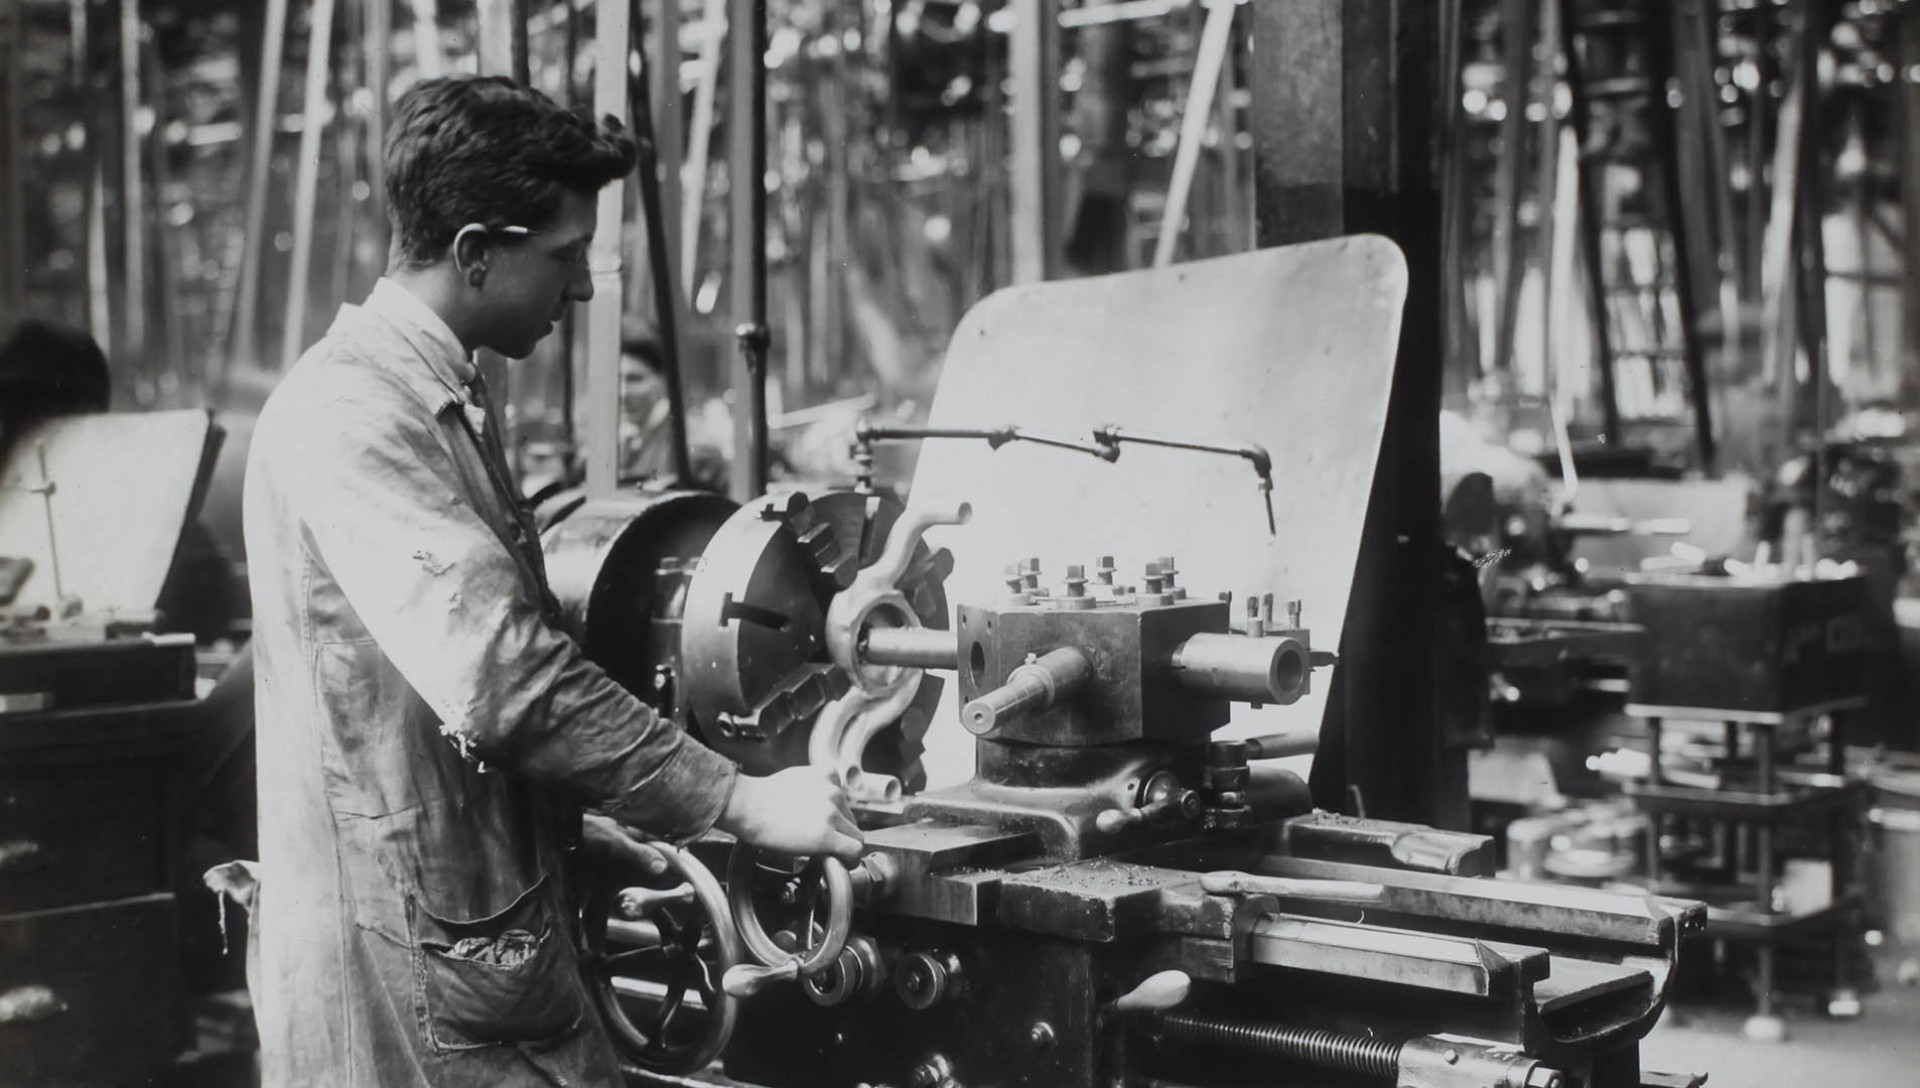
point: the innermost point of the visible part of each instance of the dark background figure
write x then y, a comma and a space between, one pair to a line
48, 371
647, 426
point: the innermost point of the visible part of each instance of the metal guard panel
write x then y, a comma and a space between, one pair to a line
1292, 348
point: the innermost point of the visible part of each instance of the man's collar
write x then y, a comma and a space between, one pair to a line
426, 331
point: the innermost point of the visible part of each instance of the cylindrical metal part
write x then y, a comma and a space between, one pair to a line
1329, 1049
1036, 685
1301, 742
912, 647
1251, 670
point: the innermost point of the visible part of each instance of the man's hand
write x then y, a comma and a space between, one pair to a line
800, 810
610, 842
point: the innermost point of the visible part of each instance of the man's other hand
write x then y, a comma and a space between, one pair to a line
800, 810
610, 842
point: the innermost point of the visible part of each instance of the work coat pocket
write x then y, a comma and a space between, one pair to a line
507, 978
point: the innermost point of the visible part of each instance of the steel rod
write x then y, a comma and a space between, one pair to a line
133, 202
665, 290
1033, 57
601, 420
1212, 59
244, 342
307, 180
913, 647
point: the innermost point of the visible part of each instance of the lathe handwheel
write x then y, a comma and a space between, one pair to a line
697, 944
838, 924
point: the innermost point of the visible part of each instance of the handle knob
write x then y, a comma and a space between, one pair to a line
640, 902
27, 1004
1156, 993
20, 854
747, 979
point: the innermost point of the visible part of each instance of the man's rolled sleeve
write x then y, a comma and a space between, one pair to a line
681, 800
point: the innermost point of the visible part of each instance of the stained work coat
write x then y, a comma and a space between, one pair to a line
425, 734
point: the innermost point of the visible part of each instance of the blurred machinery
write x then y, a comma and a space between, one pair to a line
1115, 897
1722, 710
97, 717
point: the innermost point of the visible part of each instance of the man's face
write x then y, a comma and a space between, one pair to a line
533, 278
640, 388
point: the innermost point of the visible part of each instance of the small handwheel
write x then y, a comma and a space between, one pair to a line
650, 946
821, 886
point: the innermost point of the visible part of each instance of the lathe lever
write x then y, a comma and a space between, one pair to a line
747, 979
1229, 882
1156, 993
640, 902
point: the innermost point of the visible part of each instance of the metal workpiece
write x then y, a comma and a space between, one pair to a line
1423, 961
1275, 670
1328, 836
1233, 882
911, 647
1037, 685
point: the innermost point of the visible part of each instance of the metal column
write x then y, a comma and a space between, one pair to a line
13, 161
601, 412
1034, 57
1346, 100
747, 206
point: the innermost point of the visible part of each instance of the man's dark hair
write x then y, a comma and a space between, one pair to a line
487, 150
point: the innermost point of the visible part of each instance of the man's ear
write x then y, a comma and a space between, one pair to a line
471, 250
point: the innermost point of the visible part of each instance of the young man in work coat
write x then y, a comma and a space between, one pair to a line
426, 734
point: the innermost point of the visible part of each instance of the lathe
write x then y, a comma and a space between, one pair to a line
1130, 891
1114, 898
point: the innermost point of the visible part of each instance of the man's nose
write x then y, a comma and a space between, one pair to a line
581, 289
